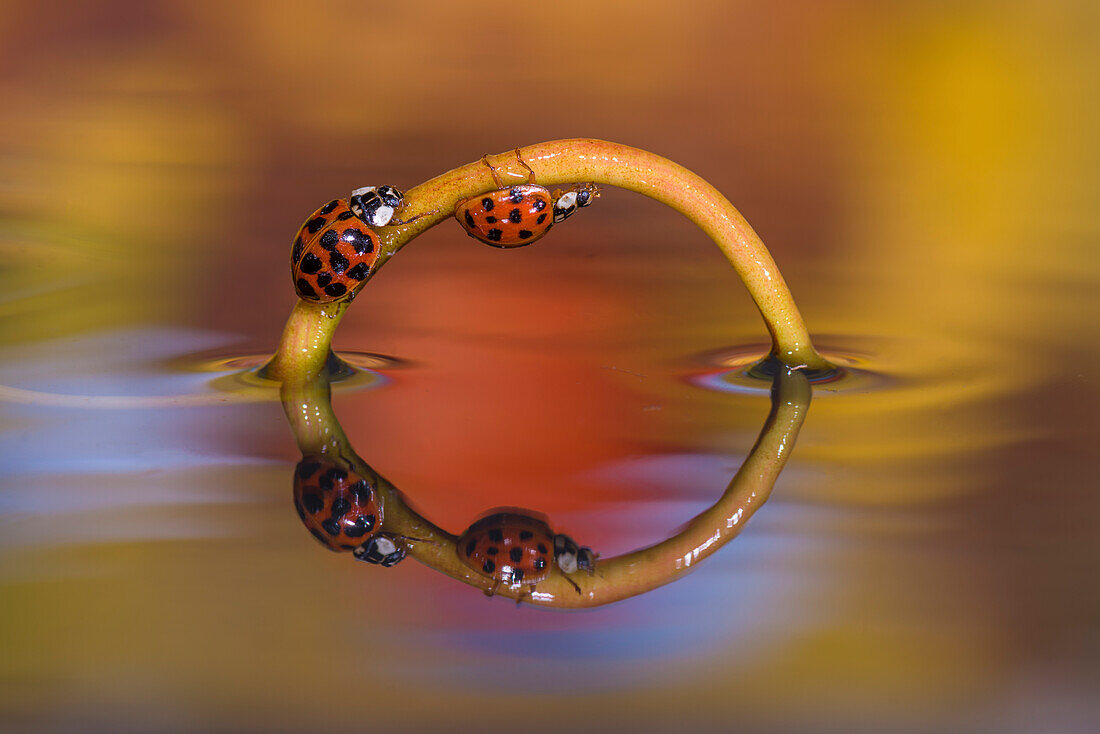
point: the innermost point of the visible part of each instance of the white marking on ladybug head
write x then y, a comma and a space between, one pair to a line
384, 546
381, 216
364, 190
568, 200
567, 562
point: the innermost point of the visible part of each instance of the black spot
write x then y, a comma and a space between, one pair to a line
491, 220
517, 574
496, 535
359, 240
469, 220
493, 235
313, 503
336, 289
492, 550
331, 527
344, 215
328, 239
541, 219
515, 195
539, 205
315, 224
526, 535
488, 567
338, 262
359, 272
340, 507
542, 549
297, 251
307, 468
516, 554
327, 208
361, 490
324, 279
540, 563
325, 481
515, 216
487, 204
360, 527
525, 234
338, 474
305, 290
310, 264
470, 546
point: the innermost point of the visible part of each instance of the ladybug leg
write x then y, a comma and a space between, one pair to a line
492, 170
524, 594
530, 171
574, 583
493, 589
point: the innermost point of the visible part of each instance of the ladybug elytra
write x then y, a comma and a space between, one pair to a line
337, 505
518, 215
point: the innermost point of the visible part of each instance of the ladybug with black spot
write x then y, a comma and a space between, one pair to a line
336, 250
518, 215
513, 549
340, 507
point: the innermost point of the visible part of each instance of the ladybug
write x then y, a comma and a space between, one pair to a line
375, 205
334, 252
516, 549
518, 215
340, 507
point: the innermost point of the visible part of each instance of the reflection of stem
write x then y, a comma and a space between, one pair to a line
315, 427
308, 334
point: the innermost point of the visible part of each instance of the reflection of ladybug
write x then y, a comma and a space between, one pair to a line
383, 550
519, 215
333, 253
509, 548
570, 557
338, 506
515, 549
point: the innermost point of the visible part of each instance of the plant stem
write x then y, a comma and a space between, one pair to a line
309, 409
308, 333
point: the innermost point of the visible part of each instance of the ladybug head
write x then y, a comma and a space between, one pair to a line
570, 557
566, 204
586, 195
383, 550
375, 205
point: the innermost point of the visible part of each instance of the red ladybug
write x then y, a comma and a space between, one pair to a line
334, 252
519, 215
338, 506
510, 548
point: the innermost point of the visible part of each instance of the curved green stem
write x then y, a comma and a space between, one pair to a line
309, 409
306, 339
